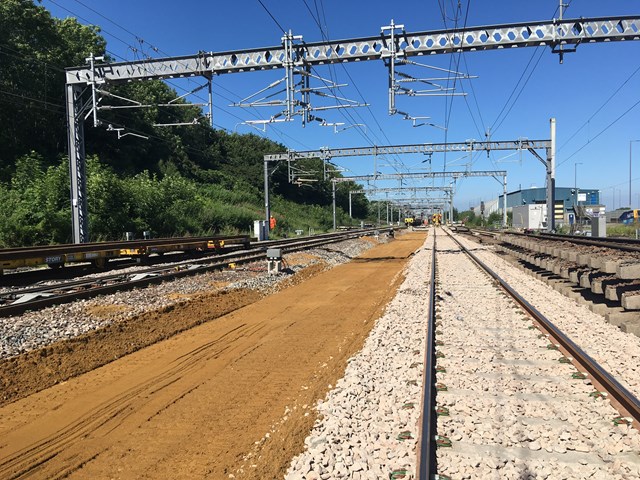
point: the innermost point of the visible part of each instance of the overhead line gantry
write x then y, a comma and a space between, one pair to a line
294, 53
401, 190
469, 146
401, 176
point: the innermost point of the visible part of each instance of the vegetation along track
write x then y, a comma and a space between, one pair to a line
510, 401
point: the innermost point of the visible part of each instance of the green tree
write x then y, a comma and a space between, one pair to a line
34, 50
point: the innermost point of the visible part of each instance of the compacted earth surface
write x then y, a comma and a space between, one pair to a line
210, 383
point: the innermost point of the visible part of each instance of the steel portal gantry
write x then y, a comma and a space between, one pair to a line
550, 33
455, 175
415, 190
408, 202
469, 146
401, 189
294, 52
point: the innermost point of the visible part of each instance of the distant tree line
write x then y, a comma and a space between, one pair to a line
183, 180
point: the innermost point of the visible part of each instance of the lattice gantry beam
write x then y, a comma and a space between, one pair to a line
530, 34
402, 190
469, 146
401, 176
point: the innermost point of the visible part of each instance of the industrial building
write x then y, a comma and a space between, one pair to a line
568, 201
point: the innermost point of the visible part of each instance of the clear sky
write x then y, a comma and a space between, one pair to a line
515, 94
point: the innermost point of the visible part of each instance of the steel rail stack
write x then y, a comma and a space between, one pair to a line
102, 252
18, 302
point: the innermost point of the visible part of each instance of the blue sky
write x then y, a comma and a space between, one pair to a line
578, 93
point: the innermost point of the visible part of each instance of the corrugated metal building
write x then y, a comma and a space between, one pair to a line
565, 200
586, 196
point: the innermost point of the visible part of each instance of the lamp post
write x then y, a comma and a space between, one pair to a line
630, 143
575, 178
575, 189
613, 190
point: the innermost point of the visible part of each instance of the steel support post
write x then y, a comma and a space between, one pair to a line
75, 136
350, 214
333, 194
451, 208
551, 178
392, 67
210, 91
267, 206
504, 201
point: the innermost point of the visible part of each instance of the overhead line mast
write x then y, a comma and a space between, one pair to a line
553, 33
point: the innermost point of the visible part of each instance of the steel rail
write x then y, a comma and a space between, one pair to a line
427, 462
629, 403
27, 252
626, 244
84, 289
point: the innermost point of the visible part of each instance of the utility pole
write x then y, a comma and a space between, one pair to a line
630, 143
576, 200
575, 182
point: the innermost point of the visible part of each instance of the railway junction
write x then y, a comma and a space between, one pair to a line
369, 358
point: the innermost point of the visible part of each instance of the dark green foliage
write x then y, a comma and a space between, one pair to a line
34, 206
183, 180
34, 50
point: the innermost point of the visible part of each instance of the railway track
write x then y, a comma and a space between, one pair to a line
510, 396
18, 301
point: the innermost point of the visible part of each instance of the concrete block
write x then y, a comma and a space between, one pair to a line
575, 274
628, 270
620, 317
596, 286
630, 301
631, 327
611, 292
610, 265
599, 308
594, 262
585, 279
583, 259
573, 294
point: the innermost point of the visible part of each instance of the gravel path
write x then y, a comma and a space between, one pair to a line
34, 330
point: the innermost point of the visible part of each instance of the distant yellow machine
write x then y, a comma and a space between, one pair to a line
408, 221
436, 219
